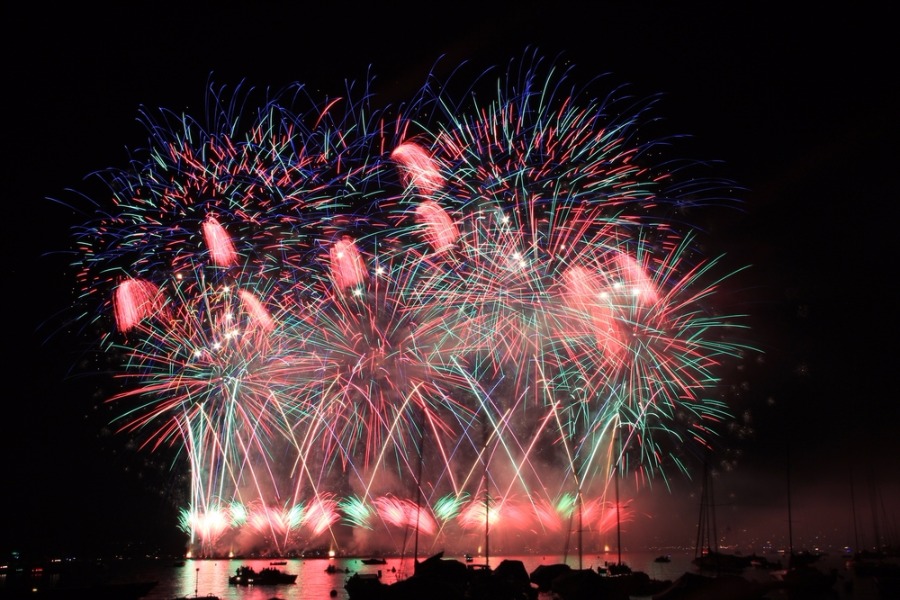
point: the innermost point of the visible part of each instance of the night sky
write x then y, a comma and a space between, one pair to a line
799, 110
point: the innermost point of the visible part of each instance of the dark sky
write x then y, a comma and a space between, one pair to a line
800, 108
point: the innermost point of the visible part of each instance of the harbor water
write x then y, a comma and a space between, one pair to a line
315, 580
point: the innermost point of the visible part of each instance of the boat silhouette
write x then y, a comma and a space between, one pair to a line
707, 556
246, 575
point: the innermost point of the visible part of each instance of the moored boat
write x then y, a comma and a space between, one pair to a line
246, 575
364, 586
334, 569
708, 558
721, 562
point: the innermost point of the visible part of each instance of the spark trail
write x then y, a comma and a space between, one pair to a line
357, 321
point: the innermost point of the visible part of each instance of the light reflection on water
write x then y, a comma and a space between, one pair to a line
207, 577
313, 581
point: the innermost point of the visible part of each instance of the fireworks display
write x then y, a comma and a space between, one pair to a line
459, 313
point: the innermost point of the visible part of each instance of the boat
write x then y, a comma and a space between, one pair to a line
374, 561
803, 558
617, 568
365, 586
278, 562
333, 569
721, 562
614, 569
468, 557
707, 556
761, 562
800, 579
663, 558
268, 576
693, 586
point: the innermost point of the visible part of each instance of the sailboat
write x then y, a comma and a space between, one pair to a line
619, 567
719, 573
880, 557
707, 556
800, 579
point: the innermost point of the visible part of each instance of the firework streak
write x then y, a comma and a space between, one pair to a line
447, 315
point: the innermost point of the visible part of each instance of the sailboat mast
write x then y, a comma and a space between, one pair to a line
487, 496
580, 527
790, 515
616, 469
706, 534
853, 513
419, 490
618, 519
712, 514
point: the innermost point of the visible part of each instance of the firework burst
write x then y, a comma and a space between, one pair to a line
429, 317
